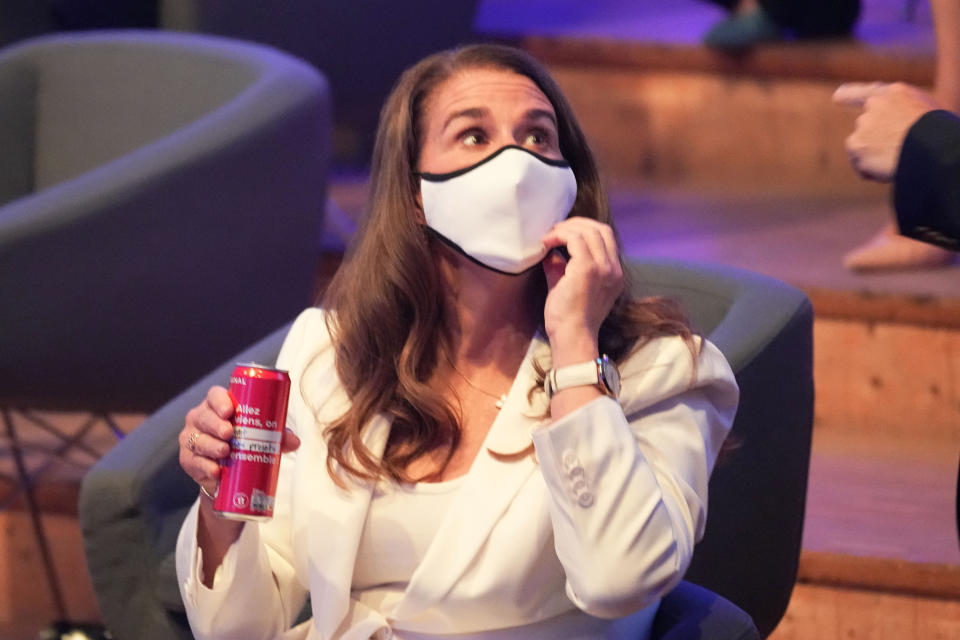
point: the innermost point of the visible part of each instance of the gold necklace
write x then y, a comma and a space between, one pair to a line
499, 400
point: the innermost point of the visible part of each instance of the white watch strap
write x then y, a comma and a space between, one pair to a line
574, 375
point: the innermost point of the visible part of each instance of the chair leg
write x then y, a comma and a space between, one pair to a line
37, 522
113, 426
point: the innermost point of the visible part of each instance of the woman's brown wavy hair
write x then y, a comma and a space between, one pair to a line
386, 307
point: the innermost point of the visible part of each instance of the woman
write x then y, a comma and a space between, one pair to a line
432, 487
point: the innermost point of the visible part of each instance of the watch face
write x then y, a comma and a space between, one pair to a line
611, 376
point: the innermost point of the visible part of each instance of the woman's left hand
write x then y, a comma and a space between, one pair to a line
581, 290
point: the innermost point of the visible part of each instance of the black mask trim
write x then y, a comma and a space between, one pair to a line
453, 245
441, 177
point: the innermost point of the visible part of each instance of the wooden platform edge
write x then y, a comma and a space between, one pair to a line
54, 498
867, 306
889, 575
837, 61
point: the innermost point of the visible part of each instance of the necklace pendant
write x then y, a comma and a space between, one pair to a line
501, 401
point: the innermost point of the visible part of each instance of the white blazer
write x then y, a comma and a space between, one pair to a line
579, 541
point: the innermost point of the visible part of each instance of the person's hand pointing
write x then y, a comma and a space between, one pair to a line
889, 110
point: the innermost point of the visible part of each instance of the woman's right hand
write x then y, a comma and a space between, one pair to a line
204, 441
205, 438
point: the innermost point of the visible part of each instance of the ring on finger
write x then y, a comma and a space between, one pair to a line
211, 496
192, 441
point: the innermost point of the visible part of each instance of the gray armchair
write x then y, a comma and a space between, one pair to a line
133, 501
149, 183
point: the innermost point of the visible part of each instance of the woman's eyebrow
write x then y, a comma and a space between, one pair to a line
472, 112
537, 114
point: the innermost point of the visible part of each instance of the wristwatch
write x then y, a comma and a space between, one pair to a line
601, 373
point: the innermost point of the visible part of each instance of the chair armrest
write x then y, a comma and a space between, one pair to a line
738, 310
132, 503
764, 328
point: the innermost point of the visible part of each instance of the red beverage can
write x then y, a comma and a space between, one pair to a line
248, 476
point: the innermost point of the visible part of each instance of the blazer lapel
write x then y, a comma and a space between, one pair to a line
335, 522
487, 492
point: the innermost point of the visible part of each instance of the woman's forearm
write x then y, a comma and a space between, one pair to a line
214, 537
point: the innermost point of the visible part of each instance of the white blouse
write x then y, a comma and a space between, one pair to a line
401, 523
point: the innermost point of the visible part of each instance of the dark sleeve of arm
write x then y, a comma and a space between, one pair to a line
926, 191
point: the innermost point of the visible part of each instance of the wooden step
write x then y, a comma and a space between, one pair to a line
823, 612
916, 309
833, 61
881, 512
704, 129
881, 500
890, 379
679, 113
892, 575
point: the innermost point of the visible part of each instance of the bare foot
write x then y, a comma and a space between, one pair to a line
890, 251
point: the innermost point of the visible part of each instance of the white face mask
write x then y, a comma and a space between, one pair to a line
497, 211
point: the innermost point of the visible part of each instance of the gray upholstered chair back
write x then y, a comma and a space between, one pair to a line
122, 96
134, 499
150, 182
73, 104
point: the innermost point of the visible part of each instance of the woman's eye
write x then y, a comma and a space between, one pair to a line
538, 138
472, 138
